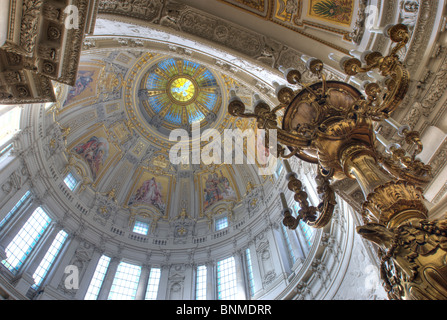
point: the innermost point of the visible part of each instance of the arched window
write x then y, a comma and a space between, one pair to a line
279, 168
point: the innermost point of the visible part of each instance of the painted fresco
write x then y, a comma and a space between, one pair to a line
84, 87
95, 149
295, 14
217, 186
334, 11
151, 190
287, 11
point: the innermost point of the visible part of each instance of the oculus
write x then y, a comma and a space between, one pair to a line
178, 93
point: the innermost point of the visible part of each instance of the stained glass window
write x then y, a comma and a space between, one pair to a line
180, 92
182, 89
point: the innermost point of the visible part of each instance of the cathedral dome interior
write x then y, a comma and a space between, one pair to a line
93, 205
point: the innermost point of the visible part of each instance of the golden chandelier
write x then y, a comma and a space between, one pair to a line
332, 124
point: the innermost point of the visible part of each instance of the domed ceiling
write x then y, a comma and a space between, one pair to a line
179, 92
119, 117
172, 93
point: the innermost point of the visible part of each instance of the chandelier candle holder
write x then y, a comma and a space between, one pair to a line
332, 124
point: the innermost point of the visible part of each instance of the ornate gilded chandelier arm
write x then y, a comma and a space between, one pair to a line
307, 213
390, 67
413, 137
407, 168
267, 119
281, 151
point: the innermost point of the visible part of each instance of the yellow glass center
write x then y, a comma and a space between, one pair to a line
182, 89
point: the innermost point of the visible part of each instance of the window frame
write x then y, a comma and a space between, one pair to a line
221, 218
19, 207
75, 178
226, 276
23, 244
201, 282
97, 280
142, 222
48, 260
249, 271
151, 285
126, 281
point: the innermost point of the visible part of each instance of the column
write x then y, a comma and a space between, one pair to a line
163, 287
276, 244
88, 275
210, 280
240, 276
142, 284
189, 282
108, 279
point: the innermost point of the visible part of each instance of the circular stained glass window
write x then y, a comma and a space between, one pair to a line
179, 92
182, 89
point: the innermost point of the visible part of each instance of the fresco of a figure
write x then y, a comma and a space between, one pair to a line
217, 188
150, 192
95, 151
83, 82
